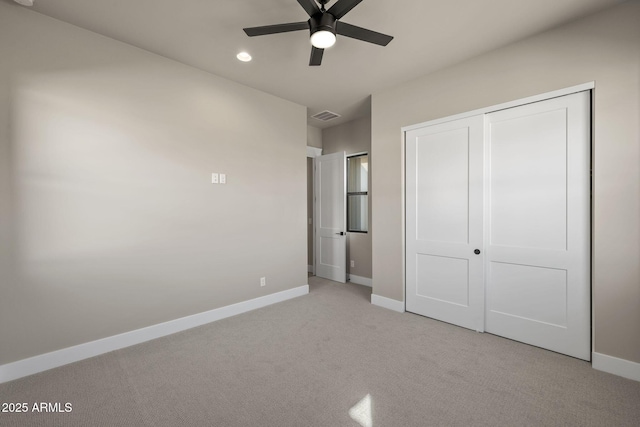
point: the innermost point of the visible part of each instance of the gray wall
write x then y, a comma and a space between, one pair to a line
314, 137
354, 137
108, 218
604, 48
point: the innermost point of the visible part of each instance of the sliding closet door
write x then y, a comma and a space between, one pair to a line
444, 276
538, 224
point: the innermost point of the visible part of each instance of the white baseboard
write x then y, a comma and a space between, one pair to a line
365, 281
388, 303
616, 366
43, 362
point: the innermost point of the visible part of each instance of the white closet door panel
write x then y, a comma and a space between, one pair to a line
443, 278
444, 222
537, 286
443, 186
538, 294
529, 180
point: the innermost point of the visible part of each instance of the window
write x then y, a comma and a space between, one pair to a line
357, 193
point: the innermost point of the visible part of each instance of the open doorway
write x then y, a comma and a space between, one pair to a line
354, 138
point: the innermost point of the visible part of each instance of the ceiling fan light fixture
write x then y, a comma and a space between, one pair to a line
323, 26
323, 39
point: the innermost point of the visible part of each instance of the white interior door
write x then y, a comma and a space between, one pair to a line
514, 185
444, 275
330, 228
538, 224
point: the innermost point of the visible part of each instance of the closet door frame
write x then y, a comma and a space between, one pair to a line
590, 86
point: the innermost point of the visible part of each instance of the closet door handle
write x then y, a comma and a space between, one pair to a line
477, 252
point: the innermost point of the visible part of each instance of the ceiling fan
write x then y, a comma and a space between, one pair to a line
323, 26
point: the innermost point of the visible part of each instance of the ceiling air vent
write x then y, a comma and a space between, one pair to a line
325, 116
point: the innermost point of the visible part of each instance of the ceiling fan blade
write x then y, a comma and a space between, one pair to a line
274, 29
316, 56
342, 7
309, 6
363, 34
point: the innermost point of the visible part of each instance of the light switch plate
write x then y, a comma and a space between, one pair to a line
223, 178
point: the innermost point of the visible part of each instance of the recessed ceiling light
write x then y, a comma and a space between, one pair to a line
24, 2
244, 57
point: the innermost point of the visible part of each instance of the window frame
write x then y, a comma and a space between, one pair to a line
357, 193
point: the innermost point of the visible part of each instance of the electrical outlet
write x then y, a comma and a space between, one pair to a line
214, 178
353, 263
263, 281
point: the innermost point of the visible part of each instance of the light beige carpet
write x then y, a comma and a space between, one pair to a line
328, 359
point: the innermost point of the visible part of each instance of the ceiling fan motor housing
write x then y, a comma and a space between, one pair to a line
322, 22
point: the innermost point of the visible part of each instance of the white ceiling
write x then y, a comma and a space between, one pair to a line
429, 35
